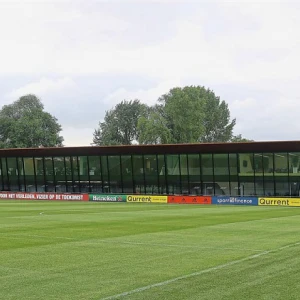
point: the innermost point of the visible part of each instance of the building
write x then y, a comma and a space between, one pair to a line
236, 169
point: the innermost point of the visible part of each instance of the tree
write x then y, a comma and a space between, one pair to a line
153, 128
216, 122
25, 124
239, 139
120, 124
191, 114
182, 109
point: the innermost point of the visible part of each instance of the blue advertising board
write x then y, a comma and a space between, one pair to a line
231, 200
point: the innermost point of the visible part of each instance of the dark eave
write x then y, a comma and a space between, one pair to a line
274, 146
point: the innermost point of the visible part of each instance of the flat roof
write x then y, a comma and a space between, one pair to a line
266, 146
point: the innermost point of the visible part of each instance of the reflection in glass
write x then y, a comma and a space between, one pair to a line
49, 174
105, 174
184, 172
127, 175
29, 171
173, 174
60, 174
221, 174
13, 174
138, 174
151, 174
114, 174
208, 185
162, 176
194, 172
94, 173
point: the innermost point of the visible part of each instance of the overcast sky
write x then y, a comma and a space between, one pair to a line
83, 57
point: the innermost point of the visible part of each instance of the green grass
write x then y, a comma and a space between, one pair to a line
71, 250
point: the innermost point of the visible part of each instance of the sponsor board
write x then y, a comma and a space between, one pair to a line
228, 200
189, 199
107, 198
147, 198
279, 201
44, 196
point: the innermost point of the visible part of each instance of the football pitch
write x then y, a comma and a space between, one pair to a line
86, 250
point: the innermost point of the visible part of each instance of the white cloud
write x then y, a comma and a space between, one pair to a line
42, 87
52, 37
233, 44
79, 40
270, 119
77, 137
148, 96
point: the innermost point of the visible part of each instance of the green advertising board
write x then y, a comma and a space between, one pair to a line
107, 198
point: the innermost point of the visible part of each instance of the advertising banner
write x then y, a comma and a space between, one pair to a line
107, 198
190, 199
44, 196
147, 198
228, 200
279, 201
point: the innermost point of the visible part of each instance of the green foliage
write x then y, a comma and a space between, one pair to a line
188, 115
25, 124
183, 110
120, 124
192, 114
239, 139
153, 128
216, 122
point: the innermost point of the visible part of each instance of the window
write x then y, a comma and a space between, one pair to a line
40, 174
281, 174
221, 174
233, 171
115, 174
246, 163
162, 177
22, 181
294, 173
84, 177
105, 174
69, 175
173, 174
127, 174
194, 171
184, 172
13, 174
50, 176
94, 170
151, 174
207, 174
268, 170
246, 174
138, 174
29, 171
60, 174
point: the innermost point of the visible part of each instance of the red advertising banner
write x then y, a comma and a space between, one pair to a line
190, 199
43, 196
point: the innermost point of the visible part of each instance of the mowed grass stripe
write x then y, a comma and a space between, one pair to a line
196, 274
269, 275
107, 249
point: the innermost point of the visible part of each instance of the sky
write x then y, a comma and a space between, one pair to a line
81, 58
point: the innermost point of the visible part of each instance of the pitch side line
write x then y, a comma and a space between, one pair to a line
163, 283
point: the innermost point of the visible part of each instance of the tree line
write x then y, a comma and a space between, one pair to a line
192, 114
25, 124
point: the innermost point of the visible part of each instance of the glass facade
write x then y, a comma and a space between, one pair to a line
235, 174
